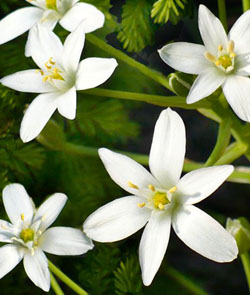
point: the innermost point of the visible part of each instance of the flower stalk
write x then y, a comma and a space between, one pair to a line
245, 259
223, 13
55, 286
71, 284
245, 5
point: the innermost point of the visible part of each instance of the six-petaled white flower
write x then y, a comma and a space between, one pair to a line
58, 78
161, 199
223, 61
28, 235
69, 13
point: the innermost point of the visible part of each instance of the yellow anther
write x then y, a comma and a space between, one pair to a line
130, 184
51, 61
40, 71
151, 187
230, 47
161, 206
218, 63
47, 66
173, 190
141, 205
210, 57
232, 55
220, 47
46, 78
22, 217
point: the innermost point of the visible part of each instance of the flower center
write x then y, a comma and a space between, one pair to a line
53, 72
160, 199
51, 4
27, 235
225, 57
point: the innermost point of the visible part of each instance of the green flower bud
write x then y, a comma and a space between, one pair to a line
180, 83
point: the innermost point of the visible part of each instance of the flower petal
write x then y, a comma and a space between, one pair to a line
65, 241
203, 234
242, 65
67, 104
73, 47
50, 209
18, 22
94, 71
197, 185
36, 267
205, 84
49, 45
239, 33
212, 31
185, 57
17, 203
27, 81
116, 220
7, 231
83, 11
37, 115
236, 90
123, 170
10, 256
154, 244
168, 148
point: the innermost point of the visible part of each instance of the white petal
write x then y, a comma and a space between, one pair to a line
201, 183
65, 241
185, 57
50, 209
212, 31
242, 65
94, 71
116, 220
73, 47
236, 90
7, 231
154, 244
27, 81
67, 104
203, 234
168, 148
83, 11
36, 267
37, 115
10, 256
123, 170
45, 45
16, 203
18, 22
205, 84
239, 33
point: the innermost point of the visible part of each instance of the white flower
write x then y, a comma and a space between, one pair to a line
223, 61
28, 236
161, 199
69, 13
58, 78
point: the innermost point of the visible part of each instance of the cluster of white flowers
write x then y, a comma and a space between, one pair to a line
157, 199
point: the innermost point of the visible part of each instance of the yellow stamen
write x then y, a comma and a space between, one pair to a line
51, 4
218, 63
173, 190
151, 187
46, 78
161, 206
130, 184
141, 205
220, 47
232, 55
40, 71
51, 61
32, 252
210, 57
230, 47
47, 66
22, 217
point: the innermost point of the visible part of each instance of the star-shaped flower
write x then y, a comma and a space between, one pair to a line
161, 199
222, 61
58, 78
27, 236
69, 13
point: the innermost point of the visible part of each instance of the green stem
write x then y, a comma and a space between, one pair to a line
56, 271
185, 282
159, 100
55, 286
233, 152
223, 13
245, 259
222, 142
156, 76
245, 5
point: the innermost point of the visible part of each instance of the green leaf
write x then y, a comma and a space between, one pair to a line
136, 29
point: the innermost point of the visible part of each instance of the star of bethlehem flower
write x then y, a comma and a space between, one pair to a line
222, 61
58, 78
160, 199
69, 13
27, 236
